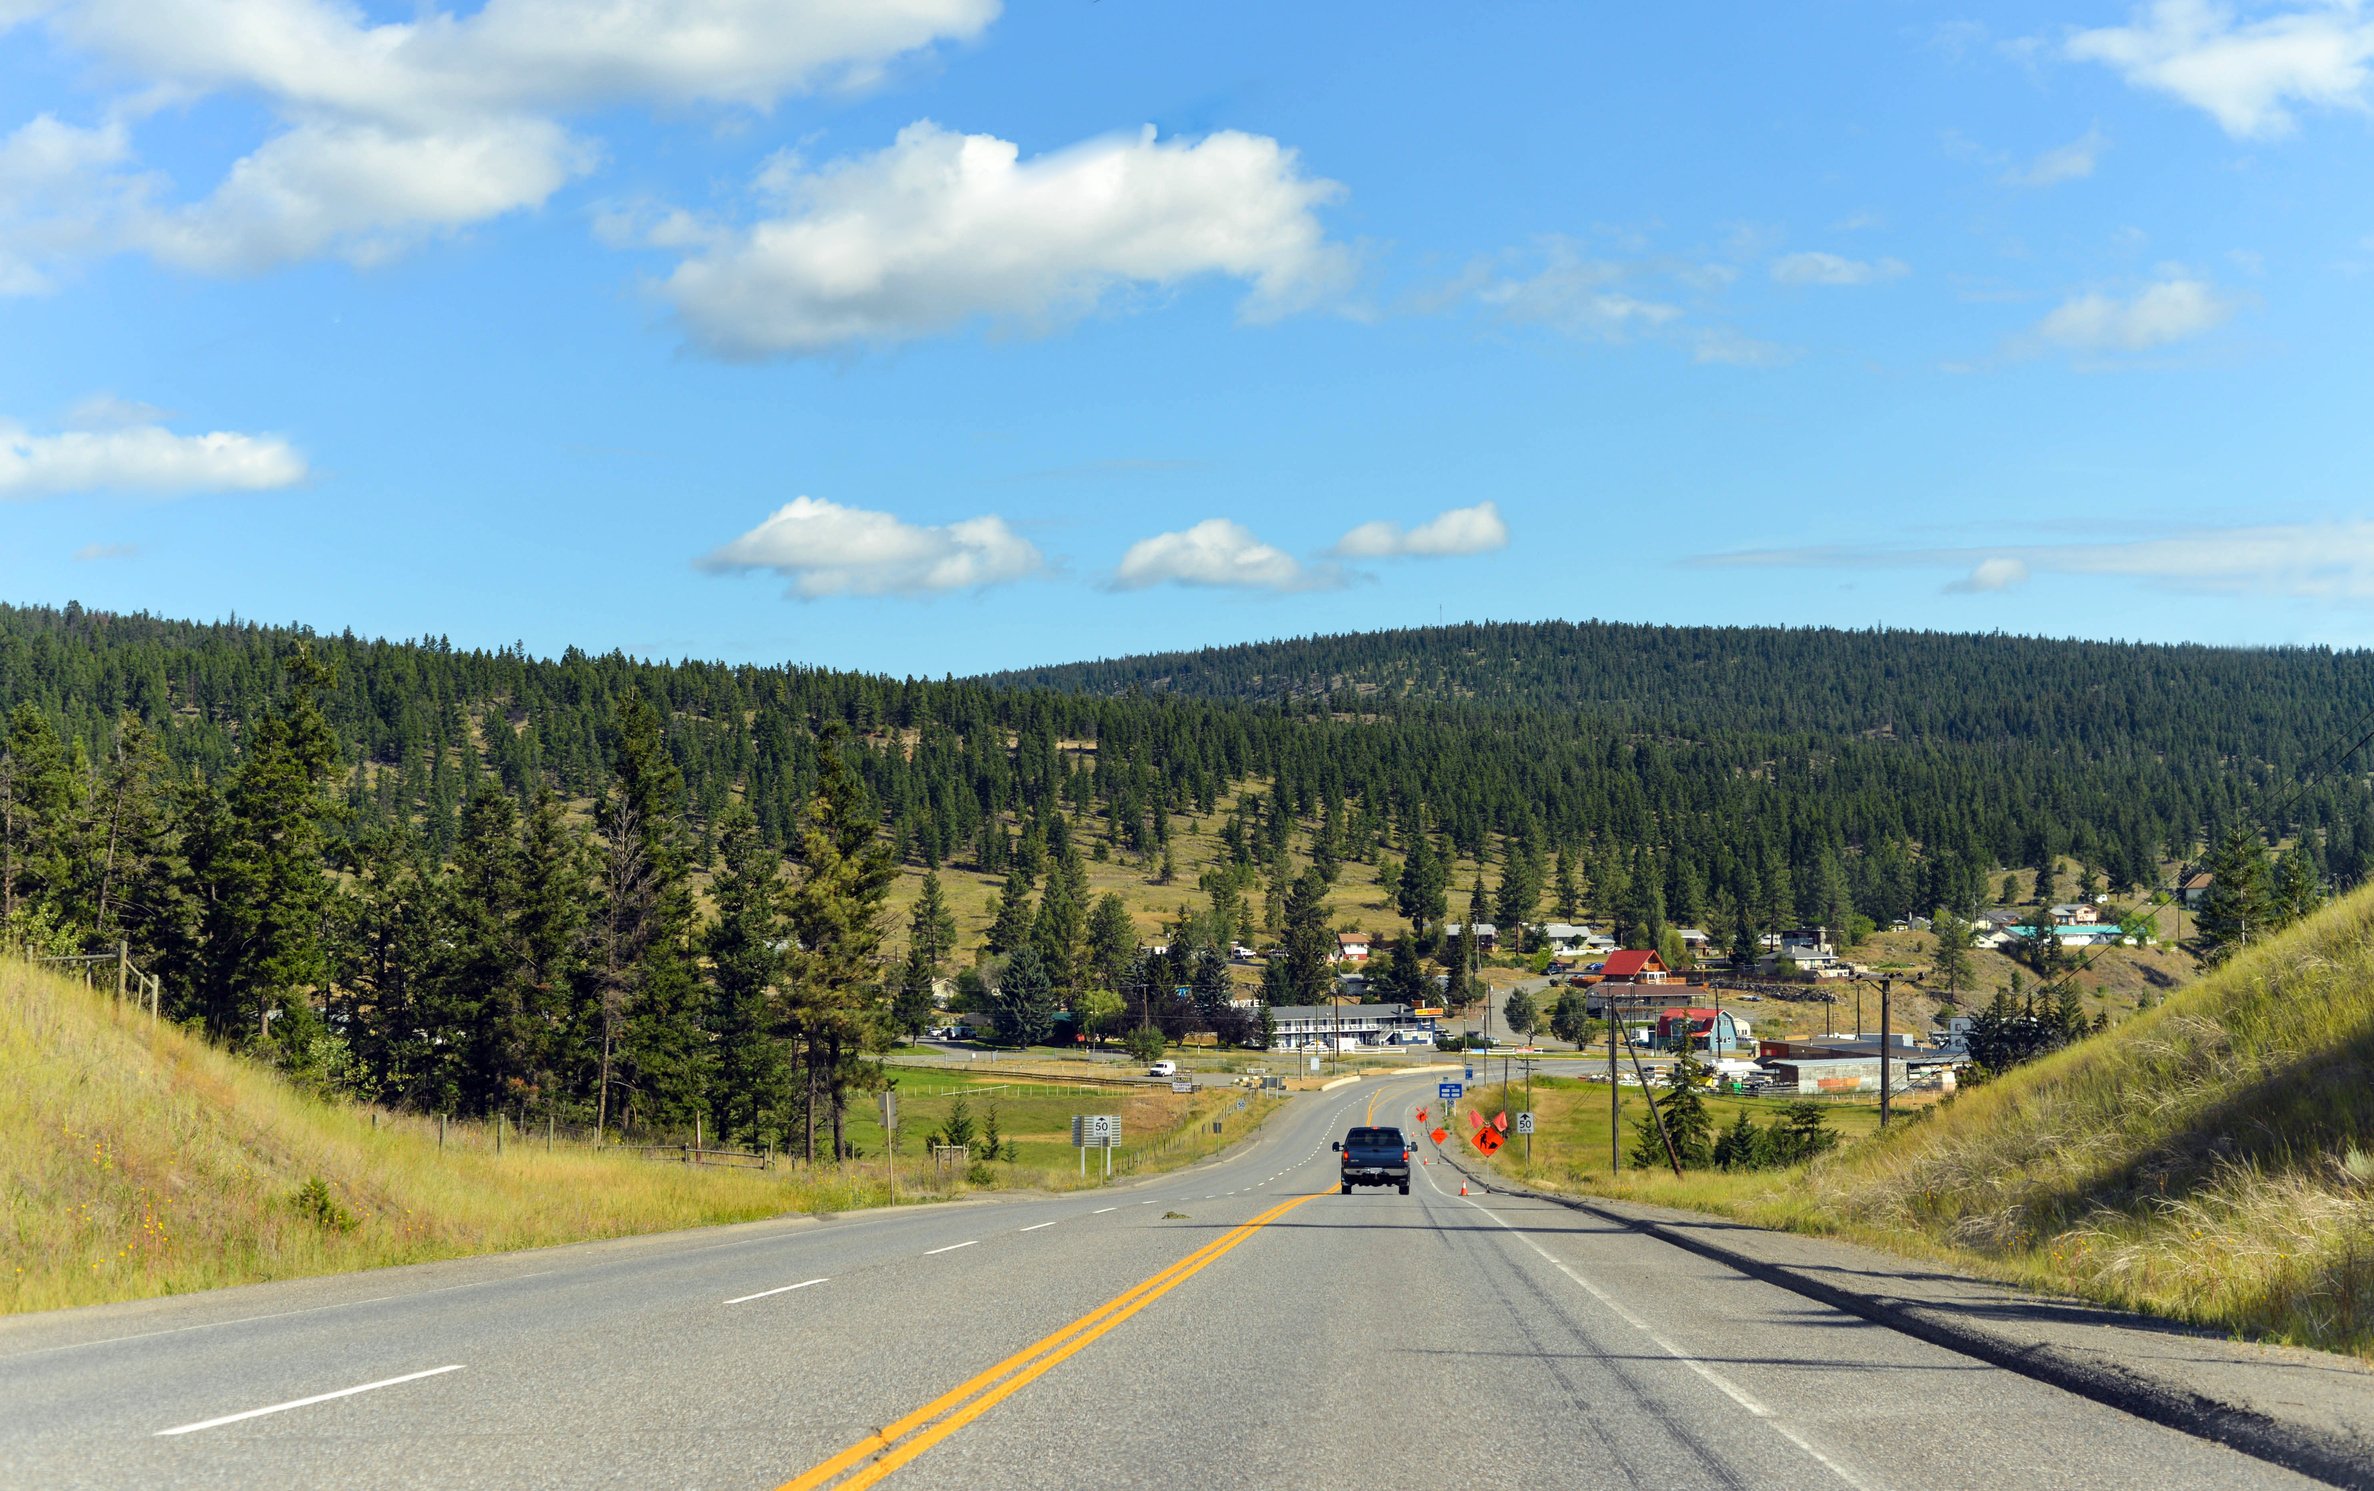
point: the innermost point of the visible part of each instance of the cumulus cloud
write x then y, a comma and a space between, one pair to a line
2071, 162
2247, 75
2172, 310
57, 193
825, 549
1835, 269
1462, 530
1991, 574
942, 229
2324, 561
387, 132
143, 458
1216, 553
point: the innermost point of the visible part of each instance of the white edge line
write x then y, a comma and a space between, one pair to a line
344, 1392
1035, 1226
952, 1247
763, 1293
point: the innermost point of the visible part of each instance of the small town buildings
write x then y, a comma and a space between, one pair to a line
2194, 887
1694, 939
1702, 1028
1487, 935
1566, 938
1365, 1024
2079, 913
1634, 966
1351, 947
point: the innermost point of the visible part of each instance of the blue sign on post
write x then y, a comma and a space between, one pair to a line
1449, 1091
1471, 1074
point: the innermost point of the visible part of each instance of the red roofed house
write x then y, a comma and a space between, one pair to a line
1637, 967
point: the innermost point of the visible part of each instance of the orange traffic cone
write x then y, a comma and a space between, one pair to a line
1463, 1188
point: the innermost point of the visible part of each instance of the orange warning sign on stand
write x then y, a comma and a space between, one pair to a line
1421, 1115
1439, 1135
1488, 1140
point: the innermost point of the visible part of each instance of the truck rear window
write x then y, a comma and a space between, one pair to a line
1378, 1138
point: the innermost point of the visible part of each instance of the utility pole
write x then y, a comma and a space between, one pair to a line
1885, 1090
1615, 1092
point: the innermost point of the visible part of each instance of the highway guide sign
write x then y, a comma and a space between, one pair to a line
1449, 1091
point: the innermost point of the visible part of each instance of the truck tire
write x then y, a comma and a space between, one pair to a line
1405, 1185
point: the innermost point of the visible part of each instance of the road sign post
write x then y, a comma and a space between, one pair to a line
1096, 1131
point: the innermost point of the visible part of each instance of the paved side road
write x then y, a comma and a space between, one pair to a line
1236, 1325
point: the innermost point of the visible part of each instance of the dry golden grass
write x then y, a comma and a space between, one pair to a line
137, 1160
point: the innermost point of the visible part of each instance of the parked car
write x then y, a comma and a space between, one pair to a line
1163, 1069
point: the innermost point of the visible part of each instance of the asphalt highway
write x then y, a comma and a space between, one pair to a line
1238, 1324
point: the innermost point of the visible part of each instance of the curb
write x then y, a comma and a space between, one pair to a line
2337, 1460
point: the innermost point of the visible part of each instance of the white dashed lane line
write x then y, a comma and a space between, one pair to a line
764, 1293
952, 1247
1035, 1226
344, 1392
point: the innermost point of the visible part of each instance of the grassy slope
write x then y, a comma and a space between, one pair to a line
138, 1161
2210, 1159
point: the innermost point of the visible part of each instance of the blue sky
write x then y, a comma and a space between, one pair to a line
934, 336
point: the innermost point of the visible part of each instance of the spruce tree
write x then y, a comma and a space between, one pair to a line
834, 915
745, 944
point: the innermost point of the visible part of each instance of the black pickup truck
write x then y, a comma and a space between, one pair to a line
1375, 1157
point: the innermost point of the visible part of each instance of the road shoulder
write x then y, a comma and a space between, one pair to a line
2309, 1411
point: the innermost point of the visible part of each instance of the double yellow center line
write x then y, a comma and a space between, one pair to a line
880, 1453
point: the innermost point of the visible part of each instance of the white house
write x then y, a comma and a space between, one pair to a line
1564, 937
1351, 947
1487, 935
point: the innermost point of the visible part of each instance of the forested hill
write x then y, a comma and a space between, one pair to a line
471, 876
2268, 707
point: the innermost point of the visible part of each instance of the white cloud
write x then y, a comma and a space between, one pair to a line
392, 132
55, 196
1217, 553
143, 458
2317, 561
2170, 311
942, 229
1463, 530
1990, 575
363, 191
2071, 162
826, 549
1579, 294
1835, 269
2245, 74
90, 553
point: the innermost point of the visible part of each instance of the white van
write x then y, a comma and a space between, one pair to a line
1163, 1069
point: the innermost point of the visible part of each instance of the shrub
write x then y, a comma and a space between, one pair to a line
314, 1202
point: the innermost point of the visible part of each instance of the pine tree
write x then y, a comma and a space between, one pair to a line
1112, 938
1025, 1001
834, 914
931, 927
1210, 986
2237, 905
655, 1053
1011, 928
1566, 897
1309, 951
1949, 958
745, 948
1519, 1009
265, 889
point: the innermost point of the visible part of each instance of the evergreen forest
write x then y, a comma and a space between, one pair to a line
632, 892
